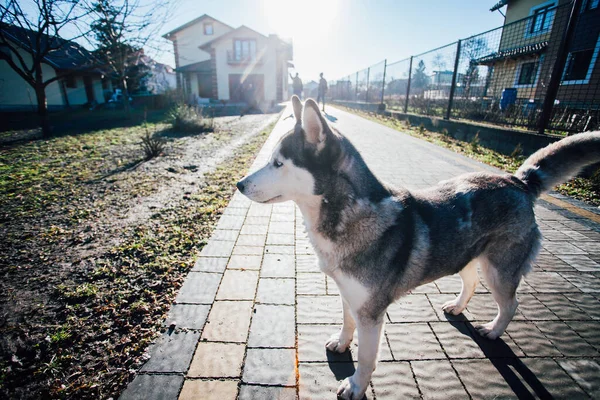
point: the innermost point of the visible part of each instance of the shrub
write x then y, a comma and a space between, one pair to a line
421, 129
152, 145
186, 118
475, 143
517, 152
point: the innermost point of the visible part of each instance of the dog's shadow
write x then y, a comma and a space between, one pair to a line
502, 357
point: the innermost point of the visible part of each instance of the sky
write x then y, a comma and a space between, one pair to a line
339, 37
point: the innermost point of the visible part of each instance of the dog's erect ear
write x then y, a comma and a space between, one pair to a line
313, 123
297, 106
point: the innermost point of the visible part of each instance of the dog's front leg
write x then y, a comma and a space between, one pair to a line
369, 337
340, 341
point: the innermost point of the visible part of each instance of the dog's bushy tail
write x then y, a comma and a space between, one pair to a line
560, 161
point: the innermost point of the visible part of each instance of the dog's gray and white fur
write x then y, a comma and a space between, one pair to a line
379, 242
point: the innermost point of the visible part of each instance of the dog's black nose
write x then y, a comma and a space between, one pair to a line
240, 186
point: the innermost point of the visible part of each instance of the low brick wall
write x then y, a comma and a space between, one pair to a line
500, 139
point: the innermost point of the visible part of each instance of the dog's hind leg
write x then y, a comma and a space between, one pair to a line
503, 265
469, 279
340, 341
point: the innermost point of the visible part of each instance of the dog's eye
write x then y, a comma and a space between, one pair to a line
277, 164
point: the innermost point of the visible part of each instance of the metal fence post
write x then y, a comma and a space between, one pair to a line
356, 88
367, 95
453, 87
408, 85
559, 67
383, 83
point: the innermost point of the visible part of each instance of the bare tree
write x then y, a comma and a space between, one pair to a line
32, 38
122, 30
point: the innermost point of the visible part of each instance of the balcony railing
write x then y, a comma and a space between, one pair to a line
234, 58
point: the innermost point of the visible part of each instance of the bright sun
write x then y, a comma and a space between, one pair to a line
306, 21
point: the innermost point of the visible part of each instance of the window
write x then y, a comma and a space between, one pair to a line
542, 19
578, 64
244, 49
208, 29
591, 4
70, 81
528, 73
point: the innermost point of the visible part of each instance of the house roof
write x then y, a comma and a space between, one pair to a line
499, 5
193, 22
202, 66
66, 55
228, 34
513, 53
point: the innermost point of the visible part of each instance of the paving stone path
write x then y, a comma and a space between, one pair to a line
253, 315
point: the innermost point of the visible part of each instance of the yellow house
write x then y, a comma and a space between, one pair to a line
216, 61
82, 84
531, 36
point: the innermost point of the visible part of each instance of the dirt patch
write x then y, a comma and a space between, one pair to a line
94, 244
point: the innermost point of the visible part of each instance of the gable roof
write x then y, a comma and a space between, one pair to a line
67, 54
193, 22
228, 34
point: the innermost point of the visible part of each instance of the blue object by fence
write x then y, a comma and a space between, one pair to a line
509, 97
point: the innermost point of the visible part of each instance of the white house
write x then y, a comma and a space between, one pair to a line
216, 61
82, 84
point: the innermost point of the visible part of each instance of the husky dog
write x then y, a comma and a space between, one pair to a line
379, 242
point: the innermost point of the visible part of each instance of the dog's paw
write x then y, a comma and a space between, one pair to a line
453, 307
488, 331
338, 343
349, 390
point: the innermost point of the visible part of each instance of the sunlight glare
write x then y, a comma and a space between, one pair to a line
305, 21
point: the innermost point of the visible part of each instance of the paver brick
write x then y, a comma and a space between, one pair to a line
273, 326
248, 250
586, 373
217, 360
253, 392
319, 309
172, 352
244, 262
156, 387
251, 240
393, 381
280, 239
412, 308
188, 316
531, 340
414, 341
217, 248
238, 285
561, 306
321, 380
209, 390
279, 249
270, 367
199, 288
210, 264
276, 291
436, 379
311, 284
565, 339
278, 266
228, 321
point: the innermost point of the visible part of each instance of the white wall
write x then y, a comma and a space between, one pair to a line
267, 68
193, 36
15, 92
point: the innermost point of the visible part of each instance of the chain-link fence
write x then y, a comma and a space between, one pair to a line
540, 72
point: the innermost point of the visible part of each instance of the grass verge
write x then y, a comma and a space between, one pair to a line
90, 337
584, 189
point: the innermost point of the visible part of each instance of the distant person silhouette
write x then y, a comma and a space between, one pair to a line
322, 90
297, 85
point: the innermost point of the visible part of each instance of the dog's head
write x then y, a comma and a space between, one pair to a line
301, 162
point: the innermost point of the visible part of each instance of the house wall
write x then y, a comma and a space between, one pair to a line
265, 50
190, 38
16, 93
77, 95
